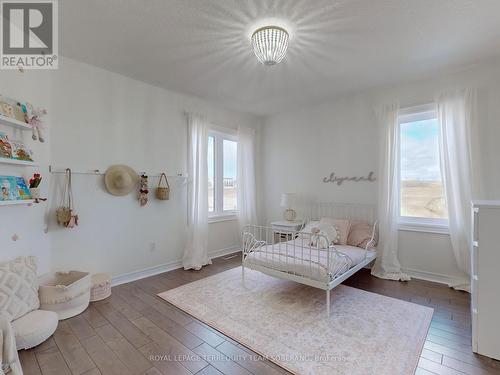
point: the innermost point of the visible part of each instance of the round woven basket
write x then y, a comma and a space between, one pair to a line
66, 293
101, 287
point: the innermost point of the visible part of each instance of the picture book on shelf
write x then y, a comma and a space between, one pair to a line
15, 109
5, 147
13, 188
20, 151
14, 149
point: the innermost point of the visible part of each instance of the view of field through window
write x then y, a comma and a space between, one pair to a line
211, 173
229, 199
422, 193
228, 174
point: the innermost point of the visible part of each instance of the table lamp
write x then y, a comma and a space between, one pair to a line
287, 202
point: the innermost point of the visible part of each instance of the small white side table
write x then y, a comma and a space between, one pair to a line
282, 229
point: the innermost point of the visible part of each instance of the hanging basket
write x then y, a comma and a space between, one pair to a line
64, 213
63, 216
163, 192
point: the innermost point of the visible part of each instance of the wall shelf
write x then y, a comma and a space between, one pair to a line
4, 120
19, 162
11, 203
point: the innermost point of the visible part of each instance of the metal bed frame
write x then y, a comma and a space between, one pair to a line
255, 237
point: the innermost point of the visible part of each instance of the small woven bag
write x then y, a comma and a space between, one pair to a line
64, 214
163, 192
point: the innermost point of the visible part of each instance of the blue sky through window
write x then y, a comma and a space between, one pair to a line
229, 150
420, 151
210, 157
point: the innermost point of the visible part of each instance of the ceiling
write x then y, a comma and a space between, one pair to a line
202, 47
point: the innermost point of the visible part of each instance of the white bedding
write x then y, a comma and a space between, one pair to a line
307, 262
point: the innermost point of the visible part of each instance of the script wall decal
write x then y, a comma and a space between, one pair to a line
339, 180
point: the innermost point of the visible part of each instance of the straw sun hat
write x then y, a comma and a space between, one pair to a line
120, 180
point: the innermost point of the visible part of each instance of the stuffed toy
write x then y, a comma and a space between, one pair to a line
319, 239
35, 120
324, 235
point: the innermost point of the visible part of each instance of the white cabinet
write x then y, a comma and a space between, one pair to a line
485, 278
283, 230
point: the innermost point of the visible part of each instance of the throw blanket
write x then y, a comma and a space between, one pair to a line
8, 352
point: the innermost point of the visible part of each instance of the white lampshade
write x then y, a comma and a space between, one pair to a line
287, 200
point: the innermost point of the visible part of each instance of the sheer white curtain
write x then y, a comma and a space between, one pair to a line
247, 201
455, 110
196, 252
387, 265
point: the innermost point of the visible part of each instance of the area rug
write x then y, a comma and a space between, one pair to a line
286, 323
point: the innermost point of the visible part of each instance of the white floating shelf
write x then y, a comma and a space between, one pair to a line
19, 162
11, 203
4, 120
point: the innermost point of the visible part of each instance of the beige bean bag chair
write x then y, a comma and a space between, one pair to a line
19, 303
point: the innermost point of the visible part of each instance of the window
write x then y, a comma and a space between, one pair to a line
222, 155
422, 199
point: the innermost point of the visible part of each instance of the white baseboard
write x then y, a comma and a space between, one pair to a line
146, 272
434, 277
222, 252
170, 266
165, 267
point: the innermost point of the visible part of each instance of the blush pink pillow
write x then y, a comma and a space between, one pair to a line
342, 226
360, 234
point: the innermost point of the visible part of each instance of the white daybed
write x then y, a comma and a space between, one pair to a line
298, 261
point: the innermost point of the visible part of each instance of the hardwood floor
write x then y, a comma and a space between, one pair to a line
135, 332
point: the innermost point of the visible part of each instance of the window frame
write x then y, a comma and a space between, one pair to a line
219, 214
410, 223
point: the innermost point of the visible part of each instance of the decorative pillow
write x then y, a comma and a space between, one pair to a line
308, 229
18, 287
330, 231
360, 234
343, 226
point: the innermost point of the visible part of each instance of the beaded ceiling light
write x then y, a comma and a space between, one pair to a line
270, 44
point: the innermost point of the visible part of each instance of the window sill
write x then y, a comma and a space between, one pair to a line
221, 218
423, 227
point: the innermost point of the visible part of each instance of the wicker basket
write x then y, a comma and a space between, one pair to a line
101, 287
66, 293
163, 192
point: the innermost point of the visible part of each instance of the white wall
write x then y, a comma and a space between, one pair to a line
99, 118
302, 146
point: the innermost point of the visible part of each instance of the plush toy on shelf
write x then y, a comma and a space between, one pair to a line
35, 120
34, 187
